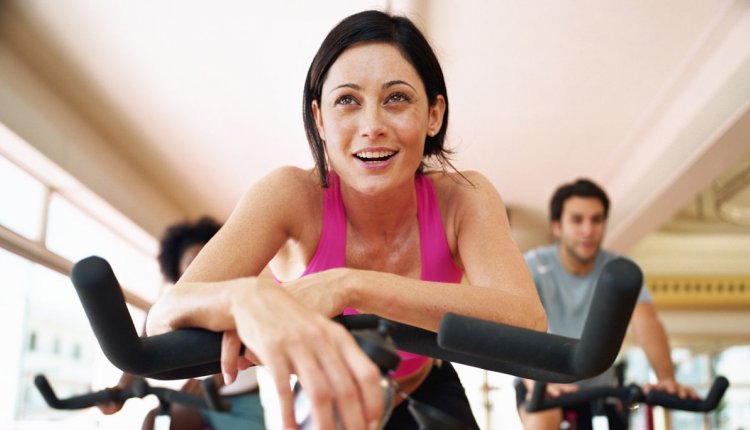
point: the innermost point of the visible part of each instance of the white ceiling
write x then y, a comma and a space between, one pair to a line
650, 98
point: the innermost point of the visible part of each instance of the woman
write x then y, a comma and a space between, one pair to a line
370, 231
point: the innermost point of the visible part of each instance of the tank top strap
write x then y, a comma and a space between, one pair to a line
437, 261
331, 250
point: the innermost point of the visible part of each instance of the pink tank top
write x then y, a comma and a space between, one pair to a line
437, 262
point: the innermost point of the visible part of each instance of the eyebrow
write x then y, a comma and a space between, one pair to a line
397, 82
384, 86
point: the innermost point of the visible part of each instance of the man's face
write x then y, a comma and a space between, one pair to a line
580, 229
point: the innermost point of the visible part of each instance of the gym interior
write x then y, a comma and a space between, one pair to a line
118, 119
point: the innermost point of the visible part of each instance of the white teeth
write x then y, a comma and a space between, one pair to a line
375, 154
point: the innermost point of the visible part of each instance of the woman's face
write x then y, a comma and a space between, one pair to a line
374, 117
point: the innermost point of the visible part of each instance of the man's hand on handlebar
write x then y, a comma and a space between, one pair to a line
669, 385
112, 407
552, 390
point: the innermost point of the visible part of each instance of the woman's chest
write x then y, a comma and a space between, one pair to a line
400, 255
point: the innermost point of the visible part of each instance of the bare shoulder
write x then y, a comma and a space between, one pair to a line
283, 195
457, 189
285, 184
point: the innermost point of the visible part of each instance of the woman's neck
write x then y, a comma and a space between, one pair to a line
385, 216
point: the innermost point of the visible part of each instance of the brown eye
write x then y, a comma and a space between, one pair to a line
398, 97
346, 100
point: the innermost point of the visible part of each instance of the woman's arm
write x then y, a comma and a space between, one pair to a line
221, 291
500, 286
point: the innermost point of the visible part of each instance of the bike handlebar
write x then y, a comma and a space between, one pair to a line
557, 358
709, 403
82, 401
493, 346
138, 388
630, 394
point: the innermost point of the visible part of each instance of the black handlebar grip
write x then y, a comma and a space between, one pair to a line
514, 350
424, 342
629, 394
672, 401
102, 298
78, 402
611, 307
546, 357
175, 355
536, 401
195, 352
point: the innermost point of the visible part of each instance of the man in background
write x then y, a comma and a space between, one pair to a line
565, 275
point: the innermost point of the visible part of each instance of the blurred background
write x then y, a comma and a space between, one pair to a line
118, 118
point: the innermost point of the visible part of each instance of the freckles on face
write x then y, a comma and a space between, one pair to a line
373, 101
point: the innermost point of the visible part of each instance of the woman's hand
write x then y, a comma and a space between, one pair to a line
324, 291
289, 338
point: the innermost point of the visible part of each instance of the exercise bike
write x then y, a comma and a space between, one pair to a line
577, 404
139, 388
188, 353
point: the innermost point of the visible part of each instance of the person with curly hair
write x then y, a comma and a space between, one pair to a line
179, 245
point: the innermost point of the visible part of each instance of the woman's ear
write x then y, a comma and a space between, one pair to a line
435, 116
318, 116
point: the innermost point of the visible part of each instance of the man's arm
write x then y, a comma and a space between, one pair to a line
650, 335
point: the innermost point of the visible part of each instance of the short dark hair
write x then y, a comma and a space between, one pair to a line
375, 26
582, 187
180, 237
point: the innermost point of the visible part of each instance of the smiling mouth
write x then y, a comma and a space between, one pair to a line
375, 156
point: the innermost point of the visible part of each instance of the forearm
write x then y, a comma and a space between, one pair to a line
658, 354
196, 304
650, 334
423, 304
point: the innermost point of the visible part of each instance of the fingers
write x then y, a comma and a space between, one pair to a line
317, 387
366, 376
334, 373
557, 390
338, 378
672, 387
192, 386
230, 352
344, 392
109, 408
243, 363
250, 357
689, 392
280, 372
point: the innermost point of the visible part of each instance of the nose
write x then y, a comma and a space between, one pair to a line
587, 228
372, 124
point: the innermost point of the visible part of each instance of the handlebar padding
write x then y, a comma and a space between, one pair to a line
548, 357
189, 353
139, 388
78, 402
175, 355
630, 394
672, 401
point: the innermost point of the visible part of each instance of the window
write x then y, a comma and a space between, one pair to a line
46, 331
23, 199
32, 341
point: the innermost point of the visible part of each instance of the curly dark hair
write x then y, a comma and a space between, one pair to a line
178, 238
